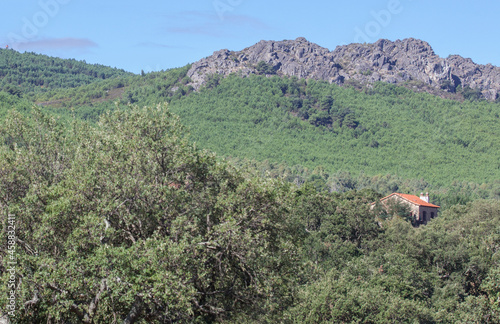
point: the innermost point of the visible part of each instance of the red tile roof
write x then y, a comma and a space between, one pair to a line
412, 199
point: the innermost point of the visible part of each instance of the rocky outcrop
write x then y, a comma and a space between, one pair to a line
394, 62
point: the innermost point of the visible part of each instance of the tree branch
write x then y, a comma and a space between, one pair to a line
130, 236
95, 302
33, 301
26, 246
135, 311
75, 309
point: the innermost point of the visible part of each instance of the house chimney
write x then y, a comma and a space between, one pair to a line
424, 198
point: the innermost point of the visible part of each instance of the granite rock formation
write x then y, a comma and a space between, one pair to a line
395, 62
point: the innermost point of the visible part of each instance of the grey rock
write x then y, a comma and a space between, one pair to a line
388, 61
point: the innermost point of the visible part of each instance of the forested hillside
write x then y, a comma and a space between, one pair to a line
383, 130
383, 137
30, 72
138, 199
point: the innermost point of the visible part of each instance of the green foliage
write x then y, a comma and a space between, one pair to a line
152, 88
390, 130
13, 91
458, 192
393, 208
121, 216
213, 81
310, 123
367, 72
470, 94
30, 72
364, 293
344, 131
129, 220
444, 272
265, 68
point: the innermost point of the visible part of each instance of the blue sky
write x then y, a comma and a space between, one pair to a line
153, 35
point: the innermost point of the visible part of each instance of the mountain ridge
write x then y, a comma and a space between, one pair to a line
396, 62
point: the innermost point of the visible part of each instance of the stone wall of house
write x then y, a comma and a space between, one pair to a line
426, 214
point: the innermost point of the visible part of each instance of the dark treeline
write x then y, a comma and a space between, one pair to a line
29, 72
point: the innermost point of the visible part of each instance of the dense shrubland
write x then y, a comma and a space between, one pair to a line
126, 220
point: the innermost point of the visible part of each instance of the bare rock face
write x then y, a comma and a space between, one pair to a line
394, 62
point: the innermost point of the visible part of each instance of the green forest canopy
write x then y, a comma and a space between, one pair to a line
126, 220
389, 129
31, 72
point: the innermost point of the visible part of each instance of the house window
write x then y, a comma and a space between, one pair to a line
432, 214
424, 217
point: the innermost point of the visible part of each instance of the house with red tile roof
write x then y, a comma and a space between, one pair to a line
422, 211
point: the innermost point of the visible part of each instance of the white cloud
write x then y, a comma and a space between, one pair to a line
56, 43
